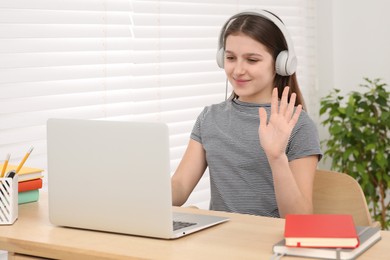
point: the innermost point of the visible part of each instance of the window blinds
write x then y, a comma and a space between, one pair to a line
121, 60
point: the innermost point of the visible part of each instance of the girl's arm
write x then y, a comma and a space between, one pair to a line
293, 181
293, 184
188, 173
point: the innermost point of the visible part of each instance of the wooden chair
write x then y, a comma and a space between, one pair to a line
339, 193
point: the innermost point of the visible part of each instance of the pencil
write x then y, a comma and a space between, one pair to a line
24, 160
5, 165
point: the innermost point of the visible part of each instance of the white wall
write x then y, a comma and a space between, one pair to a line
353, 42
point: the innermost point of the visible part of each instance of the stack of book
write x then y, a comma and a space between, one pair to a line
325, 236
30, 182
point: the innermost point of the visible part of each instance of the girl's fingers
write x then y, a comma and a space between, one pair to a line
285, 107
263, 117
284, 101
274, 101
295, 117
290, 107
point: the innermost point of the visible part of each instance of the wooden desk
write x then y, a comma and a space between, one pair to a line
243, 237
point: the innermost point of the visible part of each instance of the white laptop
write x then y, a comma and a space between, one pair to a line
114, 176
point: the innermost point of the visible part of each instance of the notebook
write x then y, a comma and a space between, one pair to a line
368, 236
320, 230
114, 176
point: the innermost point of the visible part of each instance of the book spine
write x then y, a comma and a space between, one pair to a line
30, 185
28, 196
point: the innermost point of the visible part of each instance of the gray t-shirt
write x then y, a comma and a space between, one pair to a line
240, 176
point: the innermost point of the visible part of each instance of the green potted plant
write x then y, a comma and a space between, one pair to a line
359, 141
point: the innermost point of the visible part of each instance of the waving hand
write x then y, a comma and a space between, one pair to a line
275, 133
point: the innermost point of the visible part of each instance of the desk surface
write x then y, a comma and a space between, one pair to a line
243, 237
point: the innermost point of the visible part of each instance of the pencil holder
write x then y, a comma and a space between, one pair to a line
8, 200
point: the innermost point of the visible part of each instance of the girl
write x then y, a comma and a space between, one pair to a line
261, 148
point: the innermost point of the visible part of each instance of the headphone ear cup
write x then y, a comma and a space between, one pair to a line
291, 65
220, 57
281, 63
285, 65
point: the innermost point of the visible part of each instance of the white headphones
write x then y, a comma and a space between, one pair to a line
286, 61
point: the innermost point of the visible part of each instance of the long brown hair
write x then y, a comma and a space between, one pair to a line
267, 33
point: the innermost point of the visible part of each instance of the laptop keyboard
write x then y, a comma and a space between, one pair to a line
180, 224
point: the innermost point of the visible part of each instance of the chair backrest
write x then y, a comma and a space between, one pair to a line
339, 193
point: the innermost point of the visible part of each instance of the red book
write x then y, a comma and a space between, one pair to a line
320, 230
30, 185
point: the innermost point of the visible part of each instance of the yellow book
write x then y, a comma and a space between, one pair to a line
25, 173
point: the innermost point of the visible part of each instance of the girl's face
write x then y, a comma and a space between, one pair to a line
250, 68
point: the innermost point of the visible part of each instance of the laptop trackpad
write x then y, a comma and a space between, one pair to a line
196, 222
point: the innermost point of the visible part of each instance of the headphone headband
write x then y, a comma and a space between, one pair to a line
286, 61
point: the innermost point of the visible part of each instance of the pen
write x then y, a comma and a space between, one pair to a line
5, 165
24, 160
